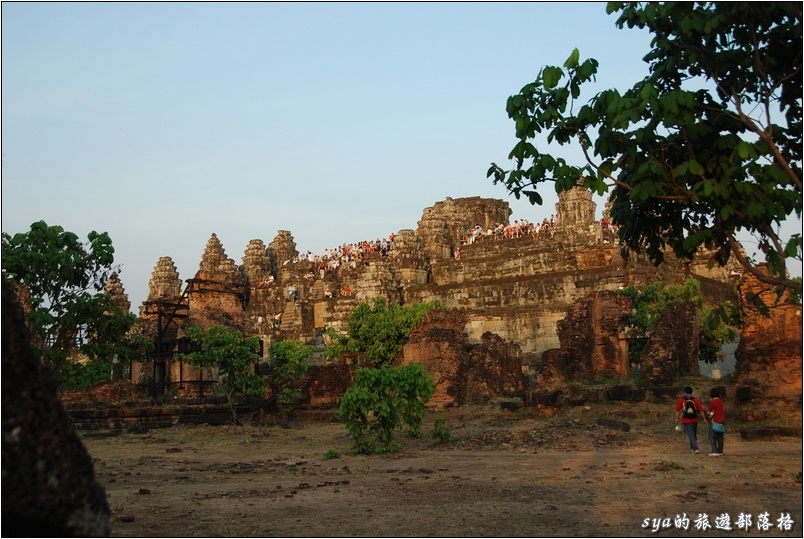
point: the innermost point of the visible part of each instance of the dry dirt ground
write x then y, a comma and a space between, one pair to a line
503, 474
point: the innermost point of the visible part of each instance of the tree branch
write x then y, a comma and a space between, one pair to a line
736, 249
768, 139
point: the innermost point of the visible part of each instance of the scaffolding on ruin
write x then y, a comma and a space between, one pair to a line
169, 312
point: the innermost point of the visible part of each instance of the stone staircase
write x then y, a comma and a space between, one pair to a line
291, 317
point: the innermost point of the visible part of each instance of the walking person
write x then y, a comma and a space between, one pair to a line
717, 423
689, 411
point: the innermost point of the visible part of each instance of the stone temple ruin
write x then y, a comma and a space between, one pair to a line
525, 312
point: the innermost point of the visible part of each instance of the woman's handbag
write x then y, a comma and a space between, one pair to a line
718, 427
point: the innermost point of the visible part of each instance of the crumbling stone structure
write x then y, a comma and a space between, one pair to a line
519, 289
115, 289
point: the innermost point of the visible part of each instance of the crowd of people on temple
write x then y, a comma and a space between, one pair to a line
524, 228
353, 254
346, 255
518, 229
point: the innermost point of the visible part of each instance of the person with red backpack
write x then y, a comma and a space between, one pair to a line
688, 412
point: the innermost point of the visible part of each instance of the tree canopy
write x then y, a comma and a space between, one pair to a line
380, 330
707, 145
61, 281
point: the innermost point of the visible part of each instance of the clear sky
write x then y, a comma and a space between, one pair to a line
162, 123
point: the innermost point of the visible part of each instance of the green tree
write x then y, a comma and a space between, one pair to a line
717, 326
382, 400
380, 331
707, 145
234, 357
63, 280
289, 360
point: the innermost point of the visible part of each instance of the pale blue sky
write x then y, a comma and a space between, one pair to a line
162, 123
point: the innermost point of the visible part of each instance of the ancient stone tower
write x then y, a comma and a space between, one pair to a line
115, 289
257, 263
283, 251
445, 225
575, 217
165, 280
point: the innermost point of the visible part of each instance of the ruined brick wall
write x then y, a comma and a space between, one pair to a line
768, 356
553, 372
672, 349
215, 299
589, 335
492, 369
464, 373
325, 385
439, 345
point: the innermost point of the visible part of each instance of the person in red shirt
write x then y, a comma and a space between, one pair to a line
717, 423
688, 411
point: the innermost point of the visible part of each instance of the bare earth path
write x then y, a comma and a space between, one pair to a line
503, 474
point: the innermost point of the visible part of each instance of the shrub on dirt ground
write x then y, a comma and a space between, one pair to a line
382, 400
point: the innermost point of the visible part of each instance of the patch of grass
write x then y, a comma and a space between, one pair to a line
667, 466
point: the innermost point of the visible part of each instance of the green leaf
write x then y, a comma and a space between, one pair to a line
743, 149
755, 209
572, 61
695, 167
550, 77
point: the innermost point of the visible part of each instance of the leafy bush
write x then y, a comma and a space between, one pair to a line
62, 281
84, 374
382, 400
